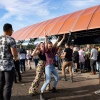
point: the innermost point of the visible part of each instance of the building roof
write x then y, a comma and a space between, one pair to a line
78, 21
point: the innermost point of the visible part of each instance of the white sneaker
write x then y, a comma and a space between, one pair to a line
97, 92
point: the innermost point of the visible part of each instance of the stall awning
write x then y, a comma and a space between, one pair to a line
81, 20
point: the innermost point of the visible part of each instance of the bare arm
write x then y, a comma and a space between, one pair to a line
63, 55
35, 52
13, 48
14, 53
91, 55
61, 41
56, 42
46, 39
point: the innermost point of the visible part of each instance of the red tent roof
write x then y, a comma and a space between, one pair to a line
81, 20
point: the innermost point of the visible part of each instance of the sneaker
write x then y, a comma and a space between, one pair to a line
64, 78
97, 92
71, 79
42, 96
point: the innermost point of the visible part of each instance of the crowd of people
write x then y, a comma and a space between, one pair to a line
47, 58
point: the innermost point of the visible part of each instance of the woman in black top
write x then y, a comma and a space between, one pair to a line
75, 58
39, 69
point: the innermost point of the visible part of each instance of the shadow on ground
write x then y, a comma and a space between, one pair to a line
80, 93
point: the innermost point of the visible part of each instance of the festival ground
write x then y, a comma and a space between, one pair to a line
82, 88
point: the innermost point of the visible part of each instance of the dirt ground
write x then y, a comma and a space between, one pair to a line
82, 88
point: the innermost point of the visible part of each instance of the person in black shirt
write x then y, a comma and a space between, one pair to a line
67, 62
75, 58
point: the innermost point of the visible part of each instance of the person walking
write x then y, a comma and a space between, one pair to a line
68, 52
8, 51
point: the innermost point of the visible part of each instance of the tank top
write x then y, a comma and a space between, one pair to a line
42, 56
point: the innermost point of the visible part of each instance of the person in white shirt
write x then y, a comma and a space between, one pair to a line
93, 59
81, 59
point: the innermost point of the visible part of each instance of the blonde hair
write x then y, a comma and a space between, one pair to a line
75, 49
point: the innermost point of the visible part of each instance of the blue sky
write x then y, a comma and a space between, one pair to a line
22, 13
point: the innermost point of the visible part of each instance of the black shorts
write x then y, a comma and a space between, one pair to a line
29, 59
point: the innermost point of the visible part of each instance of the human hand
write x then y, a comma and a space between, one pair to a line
45, 33
38, 46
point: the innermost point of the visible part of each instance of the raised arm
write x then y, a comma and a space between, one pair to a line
36, 51
46, 39
61, 41
56, 41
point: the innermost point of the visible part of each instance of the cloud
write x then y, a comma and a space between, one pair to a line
84, 3
22, 8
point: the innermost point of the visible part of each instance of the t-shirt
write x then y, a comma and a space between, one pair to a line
50, 55
76, 56
95, 53
81, 56
68, 56
22, 53
6, 57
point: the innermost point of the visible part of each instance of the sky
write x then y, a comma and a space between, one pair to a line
22, 13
